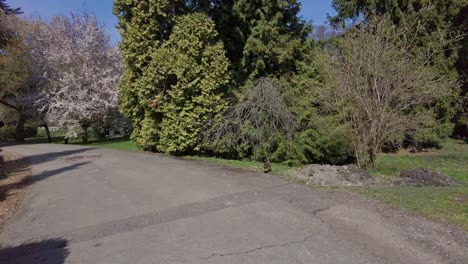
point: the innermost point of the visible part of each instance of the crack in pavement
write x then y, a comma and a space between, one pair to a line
118, 226
260, 248
317, 211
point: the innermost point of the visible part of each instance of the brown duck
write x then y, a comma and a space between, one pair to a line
267, 166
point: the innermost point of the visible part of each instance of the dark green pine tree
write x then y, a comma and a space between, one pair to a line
9, 10
5, 33
274, 34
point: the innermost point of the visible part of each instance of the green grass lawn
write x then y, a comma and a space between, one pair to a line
439, 203
123, 143
451, 160
115, 143
278, 169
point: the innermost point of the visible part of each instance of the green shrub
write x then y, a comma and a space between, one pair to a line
182, 87
9, 132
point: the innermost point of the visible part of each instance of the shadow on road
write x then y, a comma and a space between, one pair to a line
47, 251
46, 174
18, 174
46, 157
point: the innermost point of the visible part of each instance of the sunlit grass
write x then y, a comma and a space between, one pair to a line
439, 203
451, 160
278, 169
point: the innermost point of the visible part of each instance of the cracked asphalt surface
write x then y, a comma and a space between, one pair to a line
103, 206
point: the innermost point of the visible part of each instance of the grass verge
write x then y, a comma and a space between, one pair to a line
122, 143
446, 204
451, 160
278, 169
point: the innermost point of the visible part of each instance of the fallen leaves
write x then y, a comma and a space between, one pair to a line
14, 186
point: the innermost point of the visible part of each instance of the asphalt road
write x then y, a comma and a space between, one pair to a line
102, 206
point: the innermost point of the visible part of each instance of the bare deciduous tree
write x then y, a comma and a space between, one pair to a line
261, 113
383, 79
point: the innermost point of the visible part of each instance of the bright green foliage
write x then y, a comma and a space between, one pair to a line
144, 26
274, 36
183, 86
319, 135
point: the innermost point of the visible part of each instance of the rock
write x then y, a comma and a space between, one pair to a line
2, 166
328, 175
424, 177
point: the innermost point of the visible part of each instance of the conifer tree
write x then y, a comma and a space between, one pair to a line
144, 26
183, 86
274, 35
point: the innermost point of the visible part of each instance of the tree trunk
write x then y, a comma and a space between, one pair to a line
65, 140
85, 134
49, 137
372, 158
19, 135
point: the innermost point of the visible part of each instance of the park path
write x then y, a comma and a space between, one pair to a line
104, 206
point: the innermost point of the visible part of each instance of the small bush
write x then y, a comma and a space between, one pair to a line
9, 132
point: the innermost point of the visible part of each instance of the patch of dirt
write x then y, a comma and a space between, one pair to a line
403, 152
462, 198
14, 186
328, 175
423, 177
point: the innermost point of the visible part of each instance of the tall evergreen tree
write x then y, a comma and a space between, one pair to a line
144, 26
9, 10
261, 38
182, 88
273, 33
6, 31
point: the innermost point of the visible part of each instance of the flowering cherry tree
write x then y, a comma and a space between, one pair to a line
85, 73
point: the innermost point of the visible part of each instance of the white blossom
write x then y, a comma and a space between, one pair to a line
85, 72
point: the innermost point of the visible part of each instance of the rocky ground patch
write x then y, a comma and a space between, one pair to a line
424, 177
351, 175
329, 175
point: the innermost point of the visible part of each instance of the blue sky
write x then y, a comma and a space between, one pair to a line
312, 10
